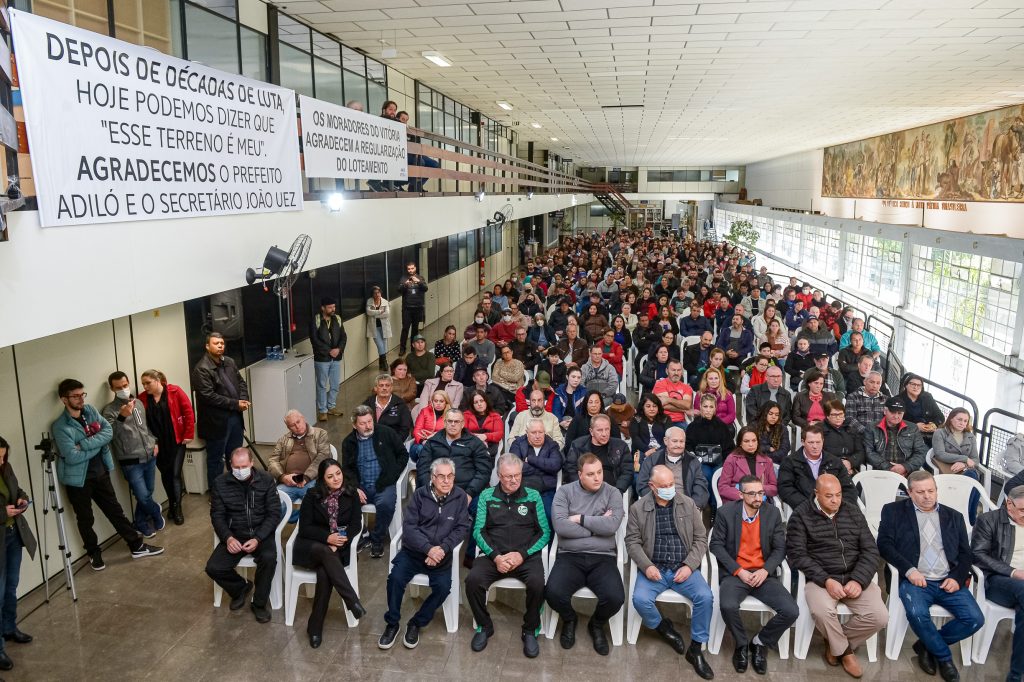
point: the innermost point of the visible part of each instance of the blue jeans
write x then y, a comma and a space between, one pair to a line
694, 588
217, 448
1008, 592
380, 341
385, 502
10, 572
967, 617
328, 377
141, 479
709, 471
296, 493
403, 569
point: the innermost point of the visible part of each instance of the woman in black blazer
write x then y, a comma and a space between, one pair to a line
329, 517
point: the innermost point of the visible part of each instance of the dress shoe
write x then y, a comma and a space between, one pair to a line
568, 637
596, 631
851, 665
262, 613
740, 658
18, 637
239, 601
695, 657
669, 634
479, 642
948, 672
5, 661
531, 649
925, 660
759, 658
829, 658
357, 610
316, 640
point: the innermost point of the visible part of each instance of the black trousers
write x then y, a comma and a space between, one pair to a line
330, 574
732, 591
169, 461
574, 570
221, 568
412, 318
484, 573
100, 491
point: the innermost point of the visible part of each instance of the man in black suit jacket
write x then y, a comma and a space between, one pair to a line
750, 544
927, 544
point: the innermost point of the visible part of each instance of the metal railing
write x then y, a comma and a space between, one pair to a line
994, 438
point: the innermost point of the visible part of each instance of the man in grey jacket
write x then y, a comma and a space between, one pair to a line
666, 539
586, 515
134, 448
599, 375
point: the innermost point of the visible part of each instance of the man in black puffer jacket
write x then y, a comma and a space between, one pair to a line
829, 541
245, 511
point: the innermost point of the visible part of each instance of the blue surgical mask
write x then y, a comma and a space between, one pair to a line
667, 494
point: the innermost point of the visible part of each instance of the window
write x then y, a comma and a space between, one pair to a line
353, 281
874, 266
211, 40
293, 33
355, 90
327, 80
397, 260
254, 54
437, 256
376, 273
787, 242
146, 24
453, 253
296, 70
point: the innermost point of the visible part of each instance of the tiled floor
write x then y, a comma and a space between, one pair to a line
155, 619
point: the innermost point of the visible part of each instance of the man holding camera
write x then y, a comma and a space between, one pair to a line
297, 456
413, 288
84, 465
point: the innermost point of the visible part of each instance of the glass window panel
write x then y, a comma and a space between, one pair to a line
353, 281
376, 273
145, 23
353, 61
425, 94
732, 176
327, 48
222, 7
328, 81
423, 117
292, 32
705, 176
463, 249
212, 40
378, 94
254, 54
296, 70
355, 89
376, 72
177, 40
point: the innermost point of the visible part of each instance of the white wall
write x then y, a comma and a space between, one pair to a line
792, 181
58, 279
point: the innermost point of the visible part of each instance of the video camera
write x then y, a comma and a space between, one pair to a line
48, 448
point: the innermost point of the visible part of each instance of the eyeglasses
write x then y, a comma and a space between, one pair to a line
452, 421
444, 477
752, 493
76, 396
510, 477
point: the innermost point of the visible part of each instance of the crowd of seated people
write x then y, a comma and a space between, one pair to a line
672, 393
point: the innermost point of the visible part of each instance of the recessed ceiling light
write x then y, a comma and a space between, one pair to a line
504, 105
554, 139
535, 125
436, 58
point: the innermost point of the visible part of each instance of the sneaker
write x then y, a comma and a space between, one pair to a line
531, 649
96, 561
363, 543
321, 417
146, 550
161, 523
388, 638
412, 636
335, 411
146, 532
376, 550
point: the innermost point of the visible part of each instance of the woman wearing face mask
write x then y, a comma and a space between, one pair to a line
328, 520
15, 535
746, 459
170, 418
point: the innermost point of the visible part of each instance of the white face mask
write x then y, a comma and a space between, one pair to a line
506, 318
479, 320
667, 494
241, 474
124, 392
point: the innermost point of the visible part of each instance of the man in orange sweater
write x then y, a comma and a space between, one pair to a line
749, 542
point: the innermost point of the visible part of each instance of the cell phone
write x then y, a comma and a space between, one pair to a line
26, 505
299, 478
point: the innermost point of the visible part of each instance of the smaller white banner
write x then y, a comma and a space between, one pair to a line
338, 142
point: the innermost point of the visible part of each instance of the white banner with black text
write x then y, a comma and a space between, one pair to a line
338, 142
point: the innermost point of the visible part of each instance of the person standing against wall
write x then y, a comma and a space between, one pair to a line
413, 288
329, 340
170, 418
15, 535
378, 325
221, 397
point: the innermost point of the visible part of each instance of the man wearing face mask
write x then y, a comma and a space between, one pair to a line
245, 511
666, 539
469, 333
134, 448
504, 331
685, 468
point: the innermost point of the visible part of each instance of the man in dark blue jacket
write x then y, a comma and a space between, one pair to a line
927, 545
436, 522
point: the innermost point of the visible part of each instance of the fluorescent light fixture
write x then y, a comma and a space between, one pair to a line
436, 58
700, 139
554, 139
504, 105
535, 125
335, 201
614, 74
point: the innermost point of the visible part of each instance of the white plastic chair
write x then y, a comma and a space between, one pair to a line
954, 491
248, 562
633, 620
896, 629
714, 487
296, 576
616, 622
450, 607
994, 614
805, 624
878, 488
516, 583
395, 527
749, 604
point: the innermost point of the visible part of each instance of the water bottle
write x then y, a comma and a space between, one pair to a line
278, 353
270, 352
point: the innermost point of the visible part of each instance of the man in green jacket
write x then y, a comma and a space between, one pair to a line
511, 531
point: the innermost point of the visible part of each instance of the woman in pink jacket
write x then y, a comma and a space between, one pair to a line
746, 459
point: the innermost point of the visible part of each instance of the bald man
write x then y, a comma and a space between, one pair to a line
828, 540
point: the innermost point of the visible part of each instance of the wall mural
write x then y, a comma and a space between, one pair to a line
974, 158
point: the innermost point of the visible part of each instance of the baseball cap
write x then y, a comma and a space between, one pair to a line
895, 404
619, 399
418, 337
543, 380
819, 356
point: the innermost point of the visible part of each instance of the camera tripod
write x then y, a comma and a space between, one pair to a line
55, 505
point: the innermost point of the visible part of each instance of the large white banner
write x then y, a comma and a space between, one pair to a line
119, 132
338, 142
